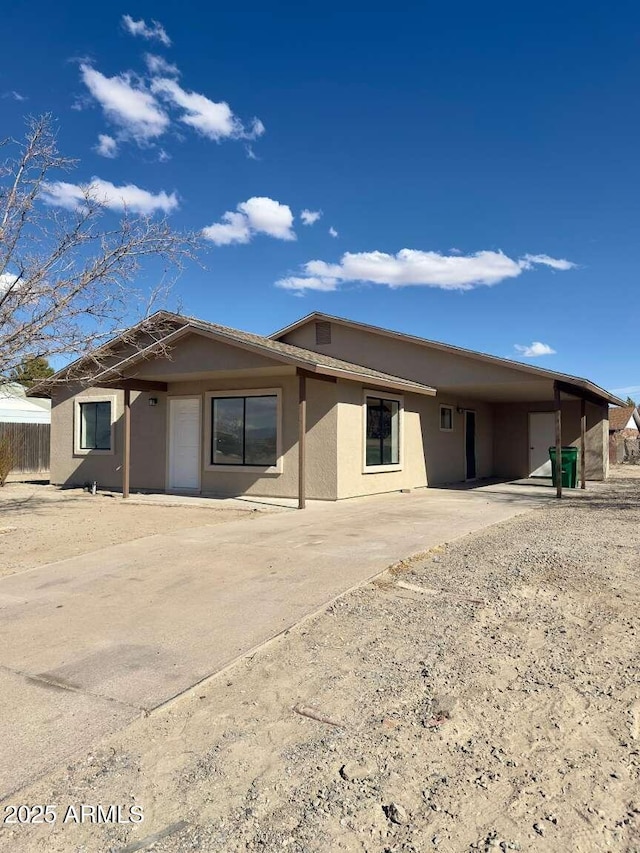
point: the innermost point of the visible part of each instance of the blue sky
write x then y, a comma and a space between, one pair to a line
477, 163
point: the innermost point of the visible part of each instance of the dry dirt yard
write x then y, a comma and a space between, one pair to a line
42, 524
490, 703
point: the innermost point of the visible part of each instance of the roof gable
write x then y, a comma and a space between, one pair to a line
525, 370
620, 416
274, 350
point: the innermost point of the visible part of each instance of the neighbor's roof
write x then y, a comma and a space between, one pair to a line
619, 417
286, 353
16, 408
585, 384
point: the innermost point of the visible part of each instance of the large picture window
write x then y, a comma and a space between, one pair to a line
244, 430
383, 432
95, 425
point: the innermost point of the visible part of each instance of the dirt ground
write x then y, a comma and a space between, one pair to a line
484, 696
41, 523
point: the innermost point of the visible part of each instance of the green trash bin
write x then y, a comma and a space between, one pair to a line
569, 466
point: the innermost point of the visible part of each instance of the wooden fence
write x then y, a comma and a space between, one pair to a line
32, 443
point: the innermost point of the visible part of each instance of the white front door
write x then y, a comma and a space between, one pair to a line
542, 436
184, 443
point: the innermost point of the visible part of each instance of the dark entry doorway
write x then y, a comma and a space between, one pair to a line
470, 445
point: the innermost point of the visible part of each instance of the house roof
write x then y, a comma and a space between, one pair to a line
619, 417
584, 384
15, 407
286, 353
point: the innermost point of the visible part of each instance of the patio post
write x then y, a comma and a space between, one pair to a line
556, 392
126, 446
583, 434
302, 437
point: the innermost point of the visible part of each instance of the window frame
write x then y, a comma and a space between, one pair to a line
381, 394
440, 410
77, 426
208, 432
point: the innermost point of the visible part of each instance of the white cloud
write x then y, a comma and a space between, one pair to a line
310, 217
212, 119
555, 263
129, 196
333, 232
309, 283
107, 146
159, 65
7, 280
257, 215
411, 267
234, 228
537, 348
16, 96
127, 104
141, 28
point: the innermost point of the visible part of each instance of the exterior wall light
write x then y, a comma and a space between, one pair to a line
153, 401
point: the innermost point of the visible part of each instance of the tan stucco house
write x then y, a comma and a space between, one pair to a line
326, 408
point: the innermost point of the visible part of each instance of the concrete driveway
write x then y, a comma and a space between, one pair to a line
89, 643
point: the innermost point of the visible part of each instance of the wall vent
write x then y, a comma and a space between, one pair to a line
323, 332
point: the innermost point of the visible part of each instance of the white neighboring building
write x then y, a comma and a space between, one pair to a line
17, 408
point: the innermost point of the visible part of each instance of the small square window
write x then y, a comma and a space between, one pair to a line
446, 418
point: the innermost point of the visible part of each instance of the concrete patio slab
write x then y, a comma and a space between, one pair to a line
110, 633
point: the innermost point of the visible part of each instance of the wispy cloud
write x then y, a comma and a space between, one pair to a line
127, 104
106, 146
630, 390
412, 267
144, 106
16, 96
158, 65
106, 194
153, 32
310, 217
257, 215
527, 261
333, 232
534, 350
213, 119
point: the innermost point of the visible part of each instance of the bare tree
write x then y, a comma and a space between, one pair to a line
68, 277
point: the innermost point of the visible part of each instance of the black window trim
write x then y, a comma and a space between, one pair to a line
95, 403
244, 399
371, 395
442, 407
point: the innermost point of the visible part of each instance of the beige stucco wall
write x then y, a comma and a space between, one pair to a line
148, 436
199, 354
405, 358
430, 456
149, 441
511, 436
321, 439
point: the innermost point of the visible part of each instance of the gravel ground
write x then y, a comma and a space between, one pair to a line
41, 523
484, 696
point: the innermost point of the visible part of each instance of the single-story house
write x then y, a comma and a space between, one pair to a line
624, 432
326, 408
623, 418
